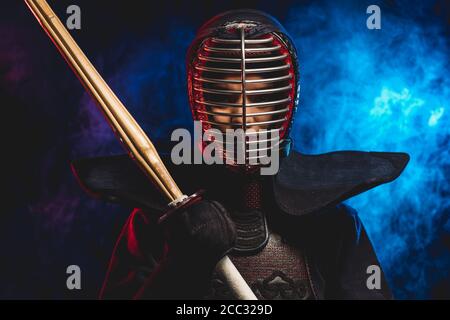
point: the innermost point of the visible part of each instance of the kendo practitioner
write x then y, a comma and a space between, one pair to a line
288, 234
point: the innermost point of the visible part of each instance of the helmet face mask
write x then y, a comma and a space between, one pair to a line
242, 74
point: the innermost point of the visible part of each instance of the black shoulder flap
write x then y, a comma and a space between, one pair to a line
117, 179
306, 183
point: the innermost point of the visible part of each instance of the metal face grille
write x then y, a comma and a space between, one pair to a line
248, 84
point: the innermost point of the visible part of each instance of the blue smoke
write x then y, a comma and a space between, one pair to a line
384, 90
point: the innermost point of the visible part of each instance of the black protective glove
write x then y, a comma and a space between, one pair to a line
200, 235
197, 236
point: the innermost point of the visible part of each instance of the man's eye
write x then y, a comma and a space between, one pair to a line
232, 98
256, 98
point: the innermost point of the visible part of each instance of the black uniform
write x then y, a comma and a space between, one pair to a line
295, 239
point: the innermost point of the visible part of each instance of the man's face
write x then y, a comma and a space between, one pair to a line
254, 115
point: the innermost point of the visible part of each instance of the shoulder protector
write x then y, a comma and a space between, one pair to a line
306, 183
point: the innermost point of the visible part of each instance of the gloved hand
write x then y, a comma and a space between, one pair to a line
173, 259
199, 236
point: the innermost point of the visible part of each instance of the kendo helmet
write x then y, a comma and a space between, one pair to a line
243, 73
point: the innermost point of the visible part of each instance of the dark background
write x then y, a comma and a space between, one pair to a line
380, 90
